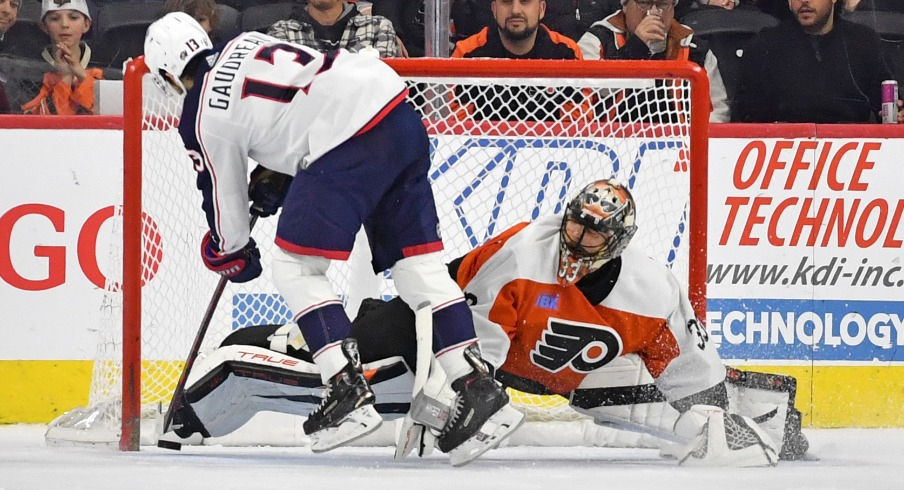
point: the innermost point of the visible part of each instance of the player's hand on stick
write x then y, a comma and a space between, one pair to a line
267, 191
241, 266
719, 438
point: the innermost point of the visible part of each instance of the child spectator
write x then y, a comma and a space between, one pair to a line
203, 11
69, 88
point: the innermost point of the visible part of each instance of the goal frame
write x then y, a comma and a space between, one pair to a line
435, 67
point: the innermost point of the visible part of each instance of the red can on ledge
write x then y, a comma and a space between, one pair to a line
889, 113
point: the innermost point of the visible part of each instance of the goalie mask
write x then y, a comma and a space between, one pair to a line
170, 43
597, 226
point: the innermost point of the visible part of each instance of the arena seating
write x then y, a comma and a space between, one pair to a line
120, 30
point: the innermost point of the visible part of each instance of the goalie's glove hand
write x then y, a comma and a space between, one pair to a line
240, 266
719, 438
267, 191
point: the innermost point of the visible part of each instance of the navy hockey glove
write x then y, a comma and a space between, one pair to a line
267, 191
241, 266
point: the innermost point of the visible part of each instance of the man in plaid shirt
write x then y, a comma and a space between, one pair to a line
328, 25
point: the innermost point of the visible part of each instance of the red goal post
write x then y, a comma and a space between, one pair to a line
677, 142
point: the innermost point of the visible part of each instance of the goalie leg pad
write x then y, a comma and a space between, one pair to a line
769, 400
723, 439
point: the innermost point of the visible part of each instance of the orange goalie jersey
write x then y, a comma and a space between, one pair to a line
531, 327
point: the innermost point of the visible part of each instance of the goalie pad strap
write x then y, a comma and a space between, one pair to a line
716, 396
616, 395
525, 385
763, 381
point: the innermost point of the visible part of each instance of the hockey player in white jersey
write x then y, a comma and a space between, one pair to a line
338, 124
565, 305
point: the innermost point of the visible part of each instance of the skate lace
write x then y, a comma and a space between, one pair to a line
454, 413
325, 397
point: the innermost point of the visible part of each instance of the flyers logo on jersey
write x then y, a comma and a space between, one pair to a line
581, 346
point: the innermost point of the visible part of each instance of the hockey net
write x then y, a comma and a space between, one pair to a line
511, 141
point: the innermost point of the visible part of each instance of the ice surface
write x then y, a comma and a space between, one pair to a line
848, 459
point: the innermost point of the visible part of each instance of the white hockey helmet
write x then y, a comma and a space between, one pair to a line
604, 208
170, 43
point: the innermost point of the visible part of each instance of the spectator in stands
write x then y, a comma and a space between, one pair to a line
203, 11
880, 5
328, 25
647, 30
470, 16
69, 88
592, 11
816, 67
9, 10
779, 8
519, 34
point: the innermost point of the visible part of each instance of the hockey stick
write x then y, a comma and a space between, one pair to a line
412, 432
627, 425
192, 356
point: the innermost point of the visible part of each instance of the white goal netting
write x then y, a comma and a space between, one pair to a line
506, 147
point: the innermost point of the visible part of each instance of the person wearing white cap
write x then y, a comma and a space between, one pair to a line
69, 88
647, 30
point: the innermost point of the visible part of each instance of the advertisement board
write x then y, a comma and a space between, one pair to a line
805, 249
804, 270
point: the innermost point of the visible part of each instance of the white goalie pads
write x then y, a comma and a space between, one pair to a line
236, 382
621, 396
719, 438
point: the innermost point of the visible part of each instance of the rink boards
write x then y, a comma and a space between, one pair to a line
804, 261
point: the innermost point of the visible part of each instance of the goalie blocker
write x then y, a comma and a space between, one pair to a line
266, 368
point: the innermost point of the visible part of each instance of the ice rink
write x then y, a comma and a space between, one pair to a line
848, 459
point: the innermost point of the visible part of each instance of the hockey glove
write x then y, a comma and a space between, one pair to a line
267, 191
240, 266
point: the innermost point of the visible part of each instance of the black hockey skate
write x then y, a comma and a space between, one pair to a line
347, 410
481, 416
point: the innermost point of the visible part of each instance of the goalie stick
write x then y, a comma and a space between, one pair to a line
625, 424
412, 432
190, 359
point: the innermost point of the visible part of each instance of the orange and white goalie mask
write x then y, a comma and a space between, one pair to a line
597, 226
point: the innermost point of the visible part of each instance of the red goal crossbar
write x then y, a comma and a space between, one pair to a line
436, 68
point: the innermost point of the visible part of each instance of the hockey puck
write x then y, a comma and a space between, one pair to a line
175, 446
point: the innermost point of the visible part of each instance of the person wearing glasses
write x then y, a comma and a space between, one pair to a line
647, 30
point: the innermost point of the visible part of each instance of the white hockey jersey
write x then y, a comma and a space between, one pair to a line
534, 328
283, 105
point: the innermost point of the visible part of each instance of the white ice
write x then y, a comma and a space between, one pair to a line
848, 459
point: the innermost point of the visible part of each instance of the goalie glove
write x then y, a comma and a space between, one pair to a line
240, 266
719, 438
267, 190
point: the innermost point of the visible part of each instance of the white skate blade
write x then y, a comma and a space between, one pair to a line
355, 425
501, 425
